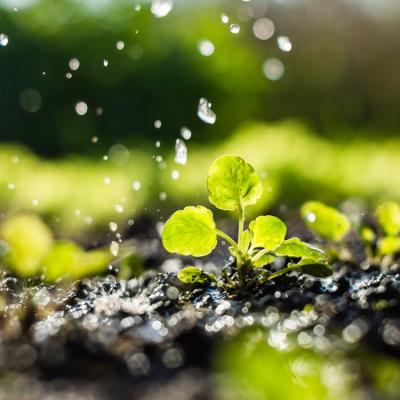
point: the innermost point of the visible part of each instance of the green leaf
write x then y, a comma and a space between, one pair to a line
264, 260
190, 231
296, 248
388, 216
29, 240
388, 245
325, 221
68, 260
192, 275
367, 234
233, 184
246, 239
311, 267
267, 232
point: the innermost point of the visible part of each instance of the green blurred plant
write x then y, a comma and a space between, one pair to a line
233, 185
29, 249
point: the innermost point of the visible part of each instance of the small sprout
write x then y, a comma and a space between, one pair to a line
325, 221
388, 216
194, 275
233, 185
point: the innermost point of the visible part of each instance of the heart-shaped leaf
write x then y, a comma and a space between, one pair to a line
388, 215
192, 275
311, 267
325, 221
233, 184
190, 231
267, 232
297, 249
264, 260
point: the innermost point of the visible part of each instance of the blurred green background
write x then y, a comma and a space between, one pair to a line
306, 91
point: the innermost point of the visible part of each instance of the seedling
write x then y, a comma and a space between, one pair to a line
381, 239
233, 185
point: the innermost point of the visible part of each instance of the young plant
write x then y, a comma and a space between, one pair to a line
233, 185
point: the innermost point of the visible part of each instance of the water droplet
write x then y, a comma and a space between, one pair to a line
105, 63
180, 152
3, 39
273, 69
114, 248
11, 186
95, 139
68, 75
205, 113
107, 180
160, 8
119, 208
158, 143
263, 28
163, 196
99, 111
206, 48
113, 226
234, 28
81, 108
186, 133
224, 18
284, 43
175, 175
136, 186
158, 158
120, 44
157, 124
137, 7
311, 217
35, 202
73, 64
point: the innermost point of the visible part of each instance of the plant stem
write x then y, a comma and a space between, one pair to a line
280, 272
226, 237
240, 247
260, 254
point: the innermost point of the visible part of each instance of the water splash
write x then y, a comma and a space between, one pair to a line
284, 43
234, 28
114, 248
205, 113
180, 152
3, 39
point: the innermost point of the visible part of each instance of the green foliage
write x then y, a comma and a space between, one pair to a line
267, 232
233, 185
30, 250
190, 231
325, 221
193, 275
388, 216
28, 240
388, 245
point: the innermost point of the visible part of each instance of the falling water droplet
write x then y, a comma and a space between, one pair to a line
81, 108
158, 143
163, 196
73, 64
107, 180
114, 248
119, 208
284, 43
105, 63
136, 186
180, 152
113, 226
186, 133
234, 28
175, 175
273, 69
205, 113
160, 8
68, 75
157, 124
120, 45
3, 40
224, 18
206, 48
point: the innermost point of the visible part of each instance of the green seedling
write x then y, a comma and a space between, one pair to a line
233, 185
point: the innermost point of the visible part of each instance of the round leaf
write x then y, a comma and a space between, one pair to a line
325, 221
296, 248
267, 232
191, 275
388, 215
313, 268
190, 231
233, 184
388, 245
